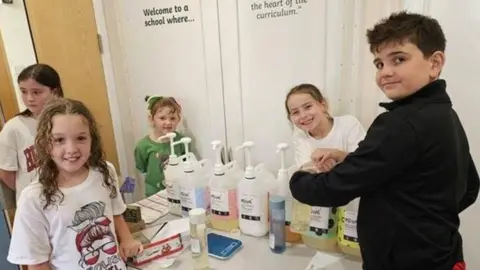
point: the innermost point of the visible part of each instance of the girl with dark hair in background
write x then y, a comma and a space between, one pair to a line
38, 83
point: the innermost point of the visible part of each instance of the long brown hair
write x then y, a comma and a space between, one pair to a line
47, 169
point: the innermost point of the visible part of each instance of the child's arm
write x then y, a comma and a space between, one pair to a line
8, 156
8, 177
141, 159
472, 188
128, 246
30, 242
388, 150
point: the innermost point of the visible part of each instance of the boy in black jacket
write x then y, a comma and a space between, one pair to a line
413, 172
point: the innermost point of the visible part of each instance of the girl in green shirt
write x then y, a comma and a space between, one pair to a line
150, 154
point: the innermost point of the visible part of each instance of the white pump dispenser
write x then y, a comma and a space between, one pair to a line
173, 173
253, 194
283, 190
194, 183
223, 194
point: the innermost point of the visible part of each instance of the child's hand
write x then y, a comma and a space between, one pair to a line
130, 248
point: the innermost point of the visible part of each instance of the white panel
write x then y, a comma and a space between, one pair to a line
17, 41
176, 59
461, 24
277, 53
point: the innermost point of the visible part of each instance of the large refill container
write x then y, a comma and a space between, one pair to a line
283, 188
223, 195
322, 232
194, 191
253, 199
347, 230
173, 173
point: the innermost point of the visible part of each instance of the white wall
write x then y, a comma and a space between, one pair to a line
17, 41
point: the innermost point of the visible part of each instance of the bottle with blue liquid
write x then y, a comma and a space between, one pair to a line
277, 235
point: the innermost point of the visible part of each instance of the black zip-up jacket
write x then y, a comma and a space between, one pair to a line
414, 174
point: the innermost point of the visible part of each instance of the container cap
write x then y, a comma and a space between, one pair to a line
197, 216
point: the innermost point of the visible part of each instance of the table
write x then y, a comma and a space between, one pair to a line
256, 255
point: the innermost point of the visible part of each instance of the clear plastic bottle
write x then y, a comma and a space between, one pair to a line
277, 223
198, 239
300, 217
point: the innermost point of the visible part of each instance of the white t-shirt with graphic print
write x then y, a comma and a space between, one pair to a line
17, 152
78, 234
345, 135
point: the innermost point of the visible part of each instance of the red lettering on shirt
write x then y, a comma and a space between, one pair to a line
31, 158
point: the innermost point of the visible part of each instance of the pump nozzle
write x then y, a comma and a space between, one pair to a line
249, 170
281, 147
188, 162
173, 159
218, 167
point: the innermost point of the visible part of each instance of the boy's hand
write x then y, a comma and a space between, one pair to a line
325, 166
130, 248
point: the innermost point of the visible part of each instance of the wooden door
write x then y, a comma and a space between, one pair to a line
64, 34
8, 101
8, 109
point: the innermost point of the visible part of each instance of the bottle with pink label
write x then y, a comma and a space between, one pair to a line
223, 195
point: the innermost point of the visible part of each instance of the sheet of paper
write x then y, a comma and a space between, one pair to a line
153, 207
324, 261
173, 227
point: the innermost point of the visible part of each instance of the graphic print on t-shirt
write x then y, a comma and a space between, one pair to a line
30, 158
95, 241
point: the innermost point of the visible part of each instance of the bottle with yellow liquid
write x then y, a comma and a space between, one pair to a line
223, 195
347, 230
300, 217
322, 231
283, 190
301, 212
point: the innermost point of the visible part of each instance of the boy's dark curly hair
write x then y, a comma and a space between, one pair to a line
420, 30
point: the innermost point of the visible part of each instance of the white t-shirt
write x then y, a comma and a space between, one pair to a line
17, 152
78, 234
345, 135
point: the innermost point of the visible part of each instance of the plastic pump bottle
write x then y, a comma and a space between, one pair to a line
347, 229
253, 197
193, 185
173, 174
283, 190
223, 195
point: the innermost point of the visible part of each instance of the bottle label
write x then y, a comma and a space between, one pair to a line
288, 211
195, 246
251, 208
272, 240
224, 203
350, 226
173, 192
193, 198
319, 220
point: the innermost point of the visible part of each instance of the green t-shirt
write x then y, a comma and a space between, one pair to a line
150, 158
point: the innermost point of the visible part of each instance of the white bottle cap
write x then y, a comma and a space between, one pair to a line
197, 216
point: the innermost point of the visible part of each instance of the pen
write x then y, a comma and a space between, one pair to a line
159, 229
